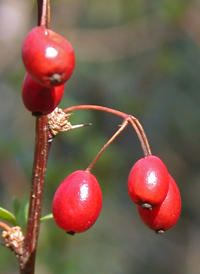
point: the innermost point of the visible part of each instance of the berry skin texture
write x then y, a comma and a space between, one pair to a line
166, 215
148, 182
39, 99
48, 57
77, 202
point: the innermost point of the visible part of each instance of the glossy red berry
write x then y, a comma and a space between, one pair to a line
166, 215
148, 182
77, 202
48, 57
39, 99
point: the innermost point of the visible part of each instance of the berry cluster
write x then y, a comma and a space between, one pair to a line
78, 200
49, 60
155, 193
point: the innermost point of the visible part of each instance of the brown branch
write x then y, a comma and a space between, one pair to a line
42, 146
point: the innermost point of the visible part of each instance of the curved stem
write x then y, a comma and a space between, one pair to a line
99, 108
141, 135
134, 122
122, 127
5, 226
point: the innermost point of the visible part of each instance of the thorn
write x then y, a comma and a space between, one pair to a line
81, 125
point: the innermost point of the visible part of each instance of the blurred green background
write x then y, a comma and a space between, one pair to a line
138, 56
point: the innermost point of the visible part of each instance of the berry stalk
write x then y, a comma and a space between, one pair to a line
122, 127
44, 13
134, 122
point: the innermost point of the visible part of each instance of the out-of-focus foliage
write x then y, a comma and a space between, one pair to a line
141, 57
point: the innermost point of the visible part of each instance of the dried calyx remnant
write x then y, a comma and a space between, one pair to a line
14, 239
58, 122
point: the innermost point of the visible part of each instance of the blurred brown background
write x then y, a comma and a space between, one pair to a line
138, 56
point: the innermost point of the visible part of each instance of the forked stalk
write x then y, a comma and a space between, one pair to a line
134, 122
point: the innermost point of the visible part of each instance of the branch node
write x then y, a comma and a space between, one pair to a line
58, 122
14, 239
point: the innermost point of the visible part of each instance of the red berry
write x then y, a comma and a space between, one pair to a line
166, 215
148, 182
77, 202
48, 57
39, 99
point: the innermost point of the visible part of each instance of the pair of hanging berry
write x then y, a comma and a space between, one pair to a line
78, 200
49, 60
155, 193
